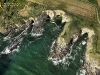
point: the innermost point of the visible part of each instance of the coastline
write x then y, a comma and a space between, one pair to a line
66, 35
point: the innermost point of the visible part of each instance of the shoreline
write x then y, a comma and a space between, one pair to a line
61, 42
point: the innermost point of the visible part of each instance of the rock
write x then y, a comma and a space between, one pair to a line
91, 68
53, 13
2, 30
30, 27
60, 49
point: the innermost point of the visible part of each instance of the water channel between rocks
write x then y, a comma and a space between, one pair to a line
31, 59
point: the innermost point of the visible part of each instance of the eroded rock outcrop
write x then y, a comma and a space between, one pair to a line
60, 49
90, 65
89, 68
33, 26
54, 13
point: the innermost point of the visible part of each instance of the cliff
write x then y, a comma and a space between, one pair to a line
61, 47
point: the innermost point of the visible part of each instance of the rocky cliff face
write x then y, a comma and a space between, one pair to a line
90, 65
38, 23
89, 68
47, 14
34, 26
60, 49
54, 13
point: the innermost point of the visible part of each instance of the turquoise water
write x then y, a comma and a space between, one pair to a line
32, 56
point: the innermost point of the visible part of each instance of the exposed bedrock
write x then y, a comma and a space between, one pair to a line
90, 65
89, 68
60, 49
35, 25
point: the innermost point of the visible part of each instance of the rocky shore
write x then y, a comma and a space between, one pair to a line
33, 26
90, 65
13, 30
59, 49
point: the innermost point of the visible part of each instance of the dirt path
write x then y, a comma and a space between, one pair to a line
98, 16
99, 3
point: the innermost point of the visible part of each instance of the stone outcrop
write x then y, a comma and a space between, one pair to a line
60, 49
90, 65
38, 23
89, 68
34, 26
54, 13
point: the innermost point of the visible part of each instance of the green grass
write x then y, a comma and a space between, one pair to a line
36, 9
10, 13
93, 2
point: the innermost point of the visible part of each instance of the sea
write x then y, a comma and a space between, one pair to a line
32, 56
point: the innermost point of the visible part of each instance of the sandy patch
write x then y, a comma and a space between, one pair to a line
89, 31
24, 11
90, 41
99, 3
2, 30
90, 62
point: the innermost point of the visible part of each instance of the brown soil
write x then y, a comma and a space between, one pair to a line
72, 6
24, 11
80, 8
99, 3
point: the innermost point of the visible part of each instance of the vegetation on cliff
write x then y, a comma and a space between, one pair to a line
14, 12
79, 23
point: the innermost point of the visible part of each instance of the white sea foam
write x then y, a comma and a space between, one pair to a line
57, 61
33, 34
54, 60
6, 38
82, 72
68, 56
6, 51
83, 42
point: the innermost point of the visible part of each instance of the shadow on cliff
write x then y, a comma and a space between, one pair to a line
4, 63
